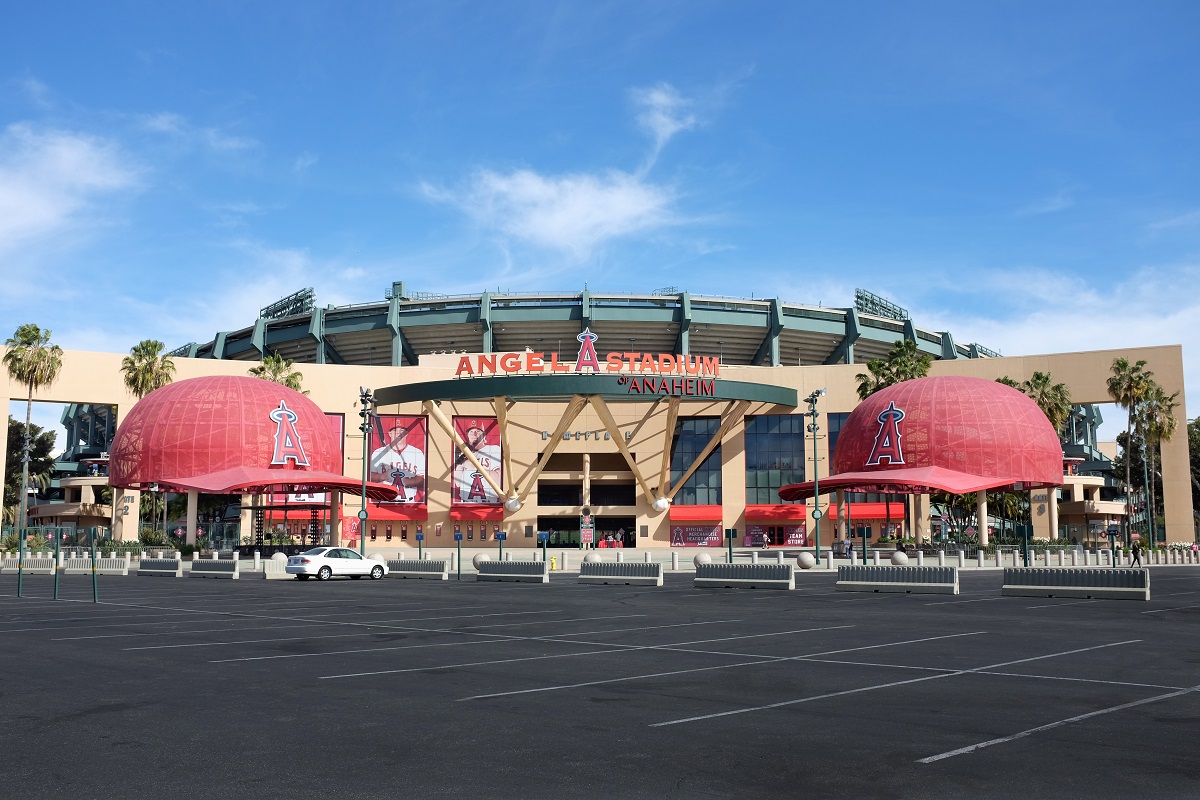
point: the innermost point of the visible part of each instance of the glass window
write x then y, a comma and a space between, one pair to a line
691, 436
774, 455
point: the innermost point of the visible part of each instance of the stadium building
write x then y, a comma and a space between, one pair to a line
651, 420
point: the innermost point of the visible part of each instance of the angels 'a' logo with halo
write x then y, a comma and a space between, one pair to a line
887, 440
288, 446
587, 351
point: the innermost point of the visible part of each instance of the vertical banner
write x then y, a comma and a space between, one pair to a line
398, 445
482, 436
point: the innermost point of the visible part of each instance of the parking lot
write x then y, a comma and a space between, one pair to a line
402, 688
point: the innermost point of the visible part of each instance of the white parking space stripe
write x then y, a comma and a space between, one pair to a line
481, 641
610, 648
365, 633
1174, 608
1030, 731
951, 602
678, 648
885, 685
1064, 603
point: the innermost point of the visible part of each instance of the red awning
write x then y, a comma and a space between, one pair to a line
258, 480
477, 513
696, 513
869, 510
777, 512
913, 480
409, 512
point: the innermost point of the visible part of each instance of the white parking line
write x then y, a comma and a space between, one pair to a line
758, 660
1022, 734
1067, 603
859, 690
1174, 608
610, 648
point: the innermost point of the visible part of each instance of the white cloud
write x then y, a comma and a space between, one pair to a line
663, 112
1059, 201
573, 214
50, 179
304, 161
1181, 221
172, 124
35, 90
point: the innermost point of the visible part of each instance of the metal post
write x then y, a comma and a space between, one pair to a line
458, 542
501, 548
813, 427
729, 536
95, 588
366, 400
21, 538
57, 560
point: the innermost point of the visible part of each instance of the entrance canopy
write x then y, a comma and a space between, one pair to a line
942, 434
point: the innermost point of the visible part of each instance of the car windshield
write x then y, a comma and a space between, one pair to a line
316, 551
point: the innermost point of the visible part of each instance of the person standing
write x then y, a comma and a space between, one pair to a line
400, 464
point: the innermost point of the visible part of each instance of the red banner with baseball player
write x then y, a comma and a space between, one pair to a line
469, 486
398, 445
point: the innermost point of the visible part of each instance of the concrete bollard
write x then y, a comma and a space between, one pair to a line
875, 558
620, 556
920, 558
999, 558
257, 561
753, 557
647, 555
853, 556
565, 561
941, 558
778, 556
1074, 558
962, 558
674, 561
979, 558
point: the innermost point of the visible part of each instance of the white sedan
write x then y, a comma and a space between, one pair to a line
325, 562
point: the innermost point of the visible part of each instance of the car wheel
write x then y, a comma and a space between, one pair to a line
324, 574
301, 577
376, 573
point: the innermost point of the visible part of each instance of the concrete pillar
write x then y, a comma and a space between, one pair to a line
981, 512
335, 519
840, 499
587, 479
1052, 507
193, 516
126, 503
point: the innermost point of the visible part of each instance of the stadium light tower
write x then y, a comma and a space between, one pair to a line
813, 427
368, 402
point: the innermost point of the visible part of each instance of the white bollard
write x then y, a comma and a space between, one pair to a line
778, 556
257, 561
999, 558
620, 556
674, 561
941, 558
753, 556
1074, 558
920, 558
647, 555
853, 556
979, 558
875, 558
962, 558
563, 562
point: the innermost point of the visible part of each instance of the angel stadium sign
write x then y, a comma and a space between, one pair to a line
640, 373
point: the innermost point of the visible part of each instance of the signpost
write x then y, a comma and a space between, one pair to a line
543, 537
458, 542
500, 537
587, 528
729, 534
420, 545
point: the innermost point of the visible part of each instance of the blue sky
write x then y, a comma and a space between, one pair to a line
1016, 173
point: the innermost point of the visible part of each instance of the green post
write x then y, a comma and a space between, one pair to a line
95, 588
501, 548
813, 427
57, 560
21, 537
544, 540
458, 541
729, 532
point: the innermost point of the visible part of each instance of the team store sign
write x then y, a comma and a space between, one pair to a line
642, 373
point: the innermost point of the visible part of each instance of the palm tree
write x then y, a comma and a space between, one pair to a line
147, 368
903, 363
1127, 386
33, 361
277, 369
1054, 399
1156, 419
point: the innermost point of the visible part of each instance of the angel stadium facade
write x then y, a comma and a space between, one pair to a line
656, 420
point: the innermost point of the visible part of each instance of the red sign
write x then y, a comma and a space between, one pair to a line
587, 537
696, 536
398, 445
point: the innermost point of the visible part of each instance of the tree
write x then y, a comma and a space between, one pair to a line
1127, 386
1193, 432
1156, 420
1054, 399
41, 463
147, 368
33, 361
903, 363
277, 369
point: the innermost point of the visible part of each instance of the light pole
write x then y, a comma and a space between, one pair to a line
813, 427
364, 397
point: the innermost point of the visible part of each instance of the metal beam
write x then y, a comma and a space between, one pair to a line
529, 477
585, 310
770, 342
614, 431
683, 343
949, 350
664, 475
258, 339
733, 414
401, 349
485, 321
219, 344
500, 404
316, 330
431, 408
845, 349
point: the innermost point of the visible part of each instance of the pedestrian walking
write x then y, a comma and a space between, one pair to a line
1136, 551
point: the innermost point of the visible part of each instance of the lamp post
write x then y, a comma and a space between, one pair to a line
364, 397
813, 427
